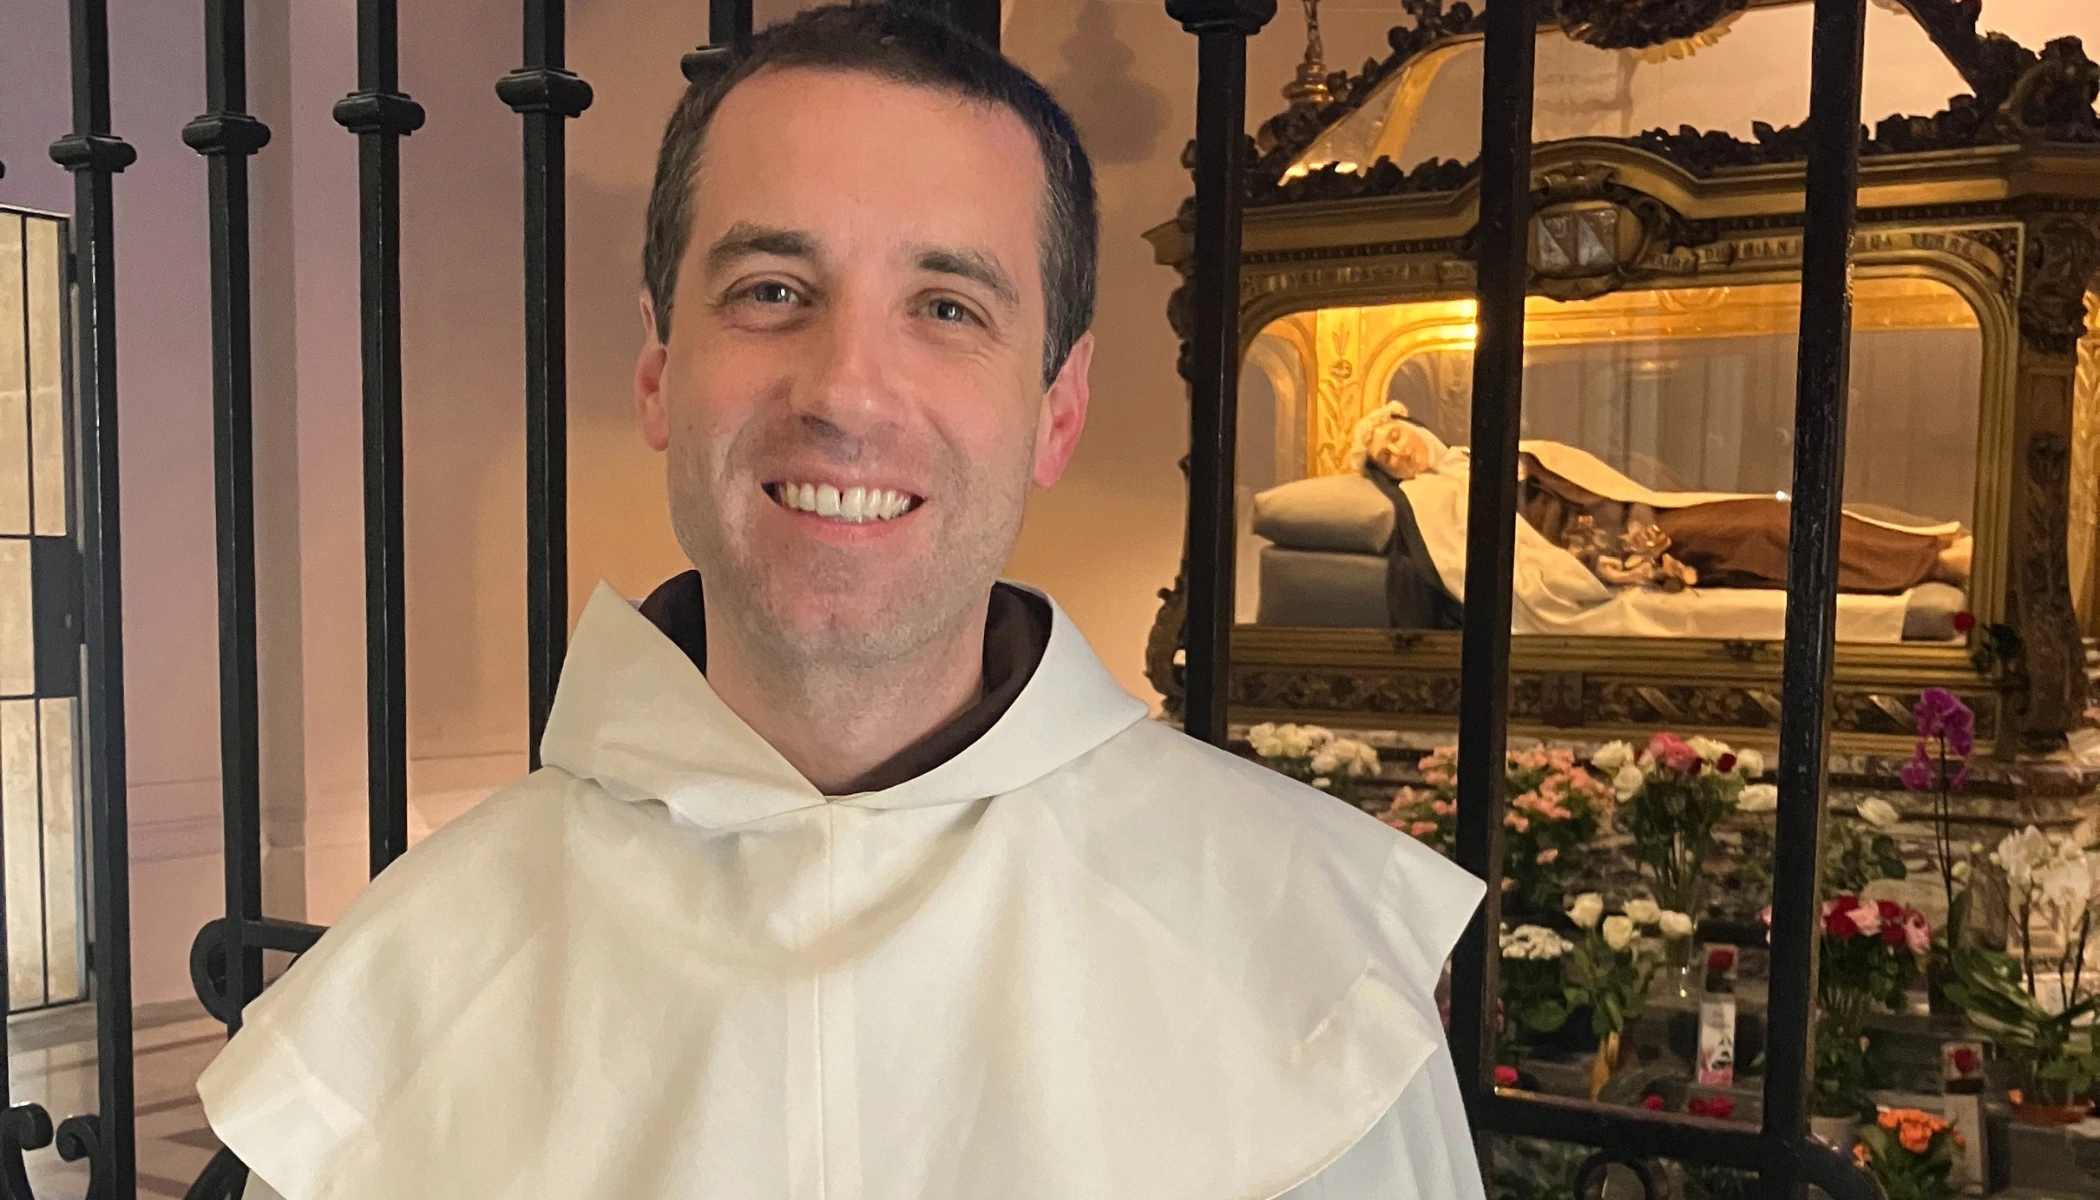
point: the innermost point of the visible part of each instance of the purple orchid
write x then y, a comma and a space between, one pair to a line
1940, 764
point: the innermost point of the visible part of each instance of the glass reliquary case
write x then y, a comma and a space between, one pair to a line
1658, 417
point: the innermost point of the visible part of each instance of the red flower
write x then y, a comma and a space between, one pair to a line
1837, 922
1505, 1076
1890, 910
1652, 1102
1719, 1108
1964, 622
1720, 959
1725, 763
1966, 1060
1894, 935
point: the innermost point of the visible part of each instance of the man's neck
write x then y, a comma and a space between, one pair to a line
837, 725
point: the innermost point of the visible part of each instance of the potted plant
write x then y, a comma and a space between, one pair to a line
1556, 810
1531, 974
1910, 1153
2037, 1005
1938, 768
1607, 972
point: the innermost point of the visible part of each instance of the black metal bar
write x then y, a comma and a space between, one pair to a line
94, 156
380, 115
1811, 613
545, 95
1498, 404
227, 136
728, 22
1222, 28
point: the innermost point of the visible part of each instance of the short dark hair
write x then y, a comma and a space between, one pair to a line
903, 45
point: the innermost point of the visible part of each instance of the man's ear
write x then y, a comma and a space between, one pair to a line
1064, 413
651, 411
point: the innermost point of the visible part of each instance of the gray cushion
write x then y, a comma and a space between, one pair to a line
1334, 512
1319, 589
1929, 615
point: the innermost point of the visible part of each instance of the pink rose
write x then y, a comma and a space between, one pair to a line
1517, 822
1674, 752
1917, 933
1548, 855
1867, 919
1422, 828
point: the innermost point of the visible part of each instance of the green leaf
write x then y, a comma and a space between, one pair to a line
1547, 1016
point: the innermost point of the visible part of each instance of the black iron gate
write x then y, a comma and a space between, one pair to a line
227, 958
1781, 1152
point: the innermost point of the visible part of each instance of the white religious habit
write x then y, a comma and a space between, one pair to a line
1087, 958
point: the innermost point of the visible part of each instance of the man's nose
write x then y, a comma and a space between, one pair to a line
850, 380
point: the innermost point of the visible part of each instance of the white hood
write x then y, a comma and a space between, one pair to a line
1086, 959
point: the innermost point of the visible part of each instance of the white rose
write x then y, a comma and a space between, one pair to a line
1366, 759
1611, 757
1758, 798
1708, 749
1750, 763
1322, 782
1675, 924
1628, 782
1618, 932
1586, 909
1292, 742
1878, 812
1324, 761
1643, 912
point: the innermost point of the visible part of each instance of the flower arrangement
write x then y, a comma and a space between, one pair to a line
1674, 795
1910, 1154
2038, 1005
1556, 810
1531, 970
1608, 972
1314, 755
1870, 951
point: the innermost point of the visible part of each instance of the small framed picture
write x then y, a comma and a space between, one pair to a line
1961, 1066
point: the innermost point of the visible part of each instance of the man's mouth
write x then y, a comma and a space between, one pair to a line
853, 505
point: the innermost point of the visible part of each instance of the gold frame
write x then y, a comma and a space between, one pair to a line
1968, 218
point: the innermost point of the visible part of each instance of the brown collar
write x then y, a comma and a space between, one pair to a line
1016, 633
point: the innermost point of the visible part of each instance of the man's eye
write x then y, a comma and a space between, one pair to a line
772, 292
949, 311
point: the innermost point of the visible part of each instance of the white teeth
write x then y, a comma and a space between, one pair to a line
856, 504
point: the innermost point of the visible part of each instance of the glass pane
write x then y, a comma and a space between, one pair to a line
14, 380
20, 823
1658, 430
17, 628
47, 299
62, 943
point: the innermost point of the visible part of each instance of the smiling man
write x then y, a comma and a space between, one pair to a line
852, 875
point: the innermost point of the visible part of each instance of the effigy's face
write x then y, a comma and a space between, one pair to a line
1398, 449
852, 392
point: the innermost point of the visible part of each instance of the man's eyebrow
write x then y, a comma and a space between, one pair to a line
973, 265
746, 238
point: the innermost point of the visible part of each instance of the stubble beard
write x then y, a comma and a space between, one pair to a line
872, 624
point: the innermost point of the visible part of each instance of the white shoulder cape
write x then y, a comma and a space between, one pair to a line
1087, 958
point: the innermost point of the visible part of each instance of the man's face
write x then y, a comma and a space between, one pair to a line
852, 398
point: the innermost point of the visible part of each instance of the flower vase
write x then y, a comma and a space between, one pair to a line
1674, 983
1838, 1131
1606, 1062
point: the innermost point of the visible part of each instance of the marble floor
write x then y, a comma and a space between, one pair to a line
51, 1060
